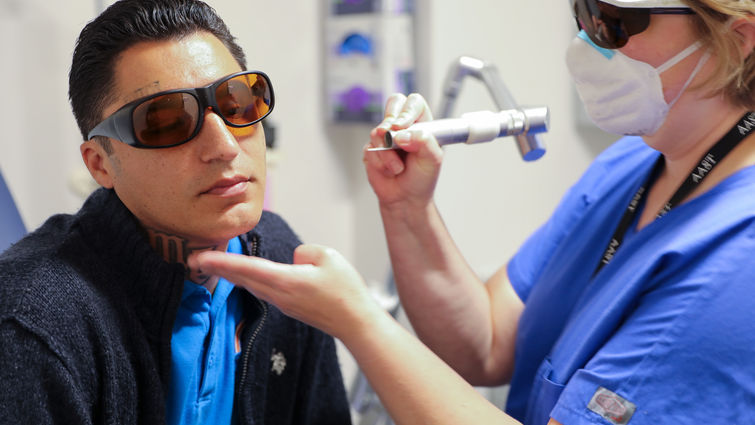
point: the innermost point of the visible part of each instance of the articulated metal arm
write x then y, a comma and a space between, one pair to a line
530, 144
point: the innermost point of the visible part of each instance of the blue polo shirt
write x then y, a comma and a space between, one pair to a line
204, 353
663, 333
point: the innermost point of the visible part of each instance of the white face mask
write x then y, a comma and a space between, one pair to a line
623, 95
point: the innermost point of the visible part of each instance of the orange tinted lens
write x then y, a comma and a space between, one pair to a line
166, 120
243, 131
243, 99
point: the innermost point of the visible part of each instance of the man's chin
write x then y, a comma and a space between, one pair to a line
236, 224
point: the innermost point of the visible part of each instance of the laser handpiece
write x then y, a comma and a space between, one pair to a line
483, 126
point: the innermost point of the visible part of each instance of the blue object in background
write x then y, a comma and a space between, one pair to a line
369, 53
11, 226
356, 43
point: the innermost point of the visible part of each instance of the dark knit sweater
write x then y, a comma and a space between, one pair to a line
86, 316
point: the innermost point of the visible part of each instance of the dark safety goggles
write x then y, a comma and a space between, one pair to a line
173, 117
610, 26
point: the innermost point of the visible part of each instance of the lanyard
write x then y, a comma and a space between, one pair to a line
737, 133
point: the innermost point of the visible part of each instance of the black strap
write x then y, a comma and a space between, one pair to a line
737, 133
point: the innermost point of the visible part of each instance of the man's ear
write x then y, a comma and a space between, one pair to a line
745, 28
98, 162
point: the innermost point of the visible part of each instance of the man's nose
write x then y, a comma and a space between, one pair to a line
218, 143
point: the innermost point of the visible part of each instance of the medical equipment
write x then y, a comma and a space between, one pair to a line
369, 54
530, 145
525, 124
623, 95
481, 126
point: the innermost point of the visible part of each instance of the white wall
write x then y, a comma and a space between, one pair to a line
39, 142
490, 198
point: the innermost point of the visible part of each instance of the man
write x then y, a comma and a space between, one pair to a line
100, 319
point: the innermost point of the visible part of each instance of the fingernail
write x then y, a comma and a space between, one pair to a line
402, 137
397, 167
386, 124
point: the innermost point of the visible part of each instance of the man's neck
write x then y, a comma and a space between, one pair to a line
176, 249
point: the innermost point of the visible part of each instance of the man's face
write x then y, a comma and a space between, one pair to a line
207, 190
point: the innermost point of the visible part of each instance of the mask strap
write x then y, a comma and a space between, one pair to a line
697, 69
679, 57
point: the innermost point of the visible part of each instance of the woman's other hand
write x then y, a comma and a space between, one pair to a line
321, 288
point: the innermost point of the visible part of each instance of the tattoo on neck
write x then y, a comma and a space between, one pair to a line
175, 249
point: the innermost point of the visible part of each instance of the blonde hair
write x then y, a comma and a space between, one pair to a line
734, 75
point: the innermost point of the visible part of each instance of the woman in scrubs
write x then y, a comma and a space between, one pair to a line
631, 304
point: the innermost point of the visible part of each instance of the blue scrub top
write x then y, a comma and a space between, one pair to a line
204, 353
664, 333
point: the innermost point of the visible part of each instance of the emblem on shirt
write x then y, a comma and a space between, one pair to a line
611, 406
279, 362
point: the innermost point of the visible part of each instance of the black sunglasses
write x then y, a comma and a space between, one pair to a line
610, 26
174, 117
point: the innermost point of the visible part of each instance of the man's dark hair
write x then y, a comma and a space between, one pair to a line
120, 26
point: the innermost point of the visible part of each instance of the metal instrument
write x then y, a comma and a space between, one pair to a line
482, 126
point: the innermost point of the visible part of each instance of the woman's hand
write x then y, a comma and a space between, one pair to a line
321, 288
407, 176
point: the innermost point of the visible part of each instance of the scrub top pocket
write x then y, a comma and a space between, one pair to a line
544, 395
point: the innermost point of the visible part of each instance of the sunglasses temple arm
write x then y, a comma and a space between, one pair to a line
110, 128
104, 129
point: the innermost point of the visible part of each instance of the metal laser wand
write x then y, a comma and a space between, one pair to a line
482, 126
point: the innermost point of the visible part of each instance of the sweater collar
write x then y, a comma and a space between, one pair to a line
152, 285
